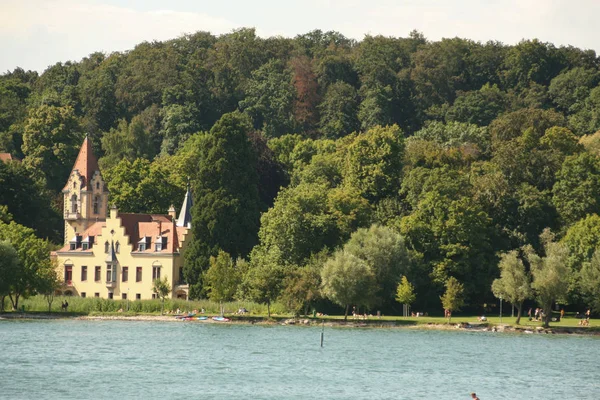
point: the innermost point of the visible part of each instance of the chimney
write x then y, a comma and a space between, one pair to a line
113, 211
172, 212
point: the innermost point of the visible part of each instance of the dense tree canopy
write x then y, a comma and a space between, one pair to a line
455, 153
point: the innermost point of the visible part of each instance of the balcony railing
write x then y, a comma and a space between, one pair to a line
72, 215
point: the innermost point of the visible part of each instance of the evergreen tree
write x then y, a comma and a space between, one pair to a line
225, 215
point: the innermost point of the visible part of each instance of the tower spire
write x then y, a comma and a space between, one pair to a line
185, 215
86, 163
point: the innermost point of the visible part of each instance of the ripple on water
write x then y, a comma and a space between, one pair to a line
99, 359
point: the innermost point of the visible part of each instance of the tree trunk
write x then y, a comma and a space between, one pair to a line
519, 309
306, 306
15, 301
162, 307
50, 300
346, 312
547, 315
2, 303
269, 309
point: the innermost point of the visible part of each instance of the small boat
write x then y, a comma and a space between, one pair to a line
202, 318
221, 319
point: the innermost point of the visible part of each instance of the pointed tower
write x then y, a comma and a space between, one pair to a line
85, 194
185, 215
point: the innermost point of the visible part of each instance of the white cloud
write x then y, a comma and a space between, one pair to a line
70, 30
36, 33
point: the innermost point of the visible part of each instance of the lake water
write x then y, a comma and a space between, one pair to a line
64, 359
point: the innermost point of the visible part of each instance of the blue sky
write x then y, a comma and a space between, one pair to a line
37, 33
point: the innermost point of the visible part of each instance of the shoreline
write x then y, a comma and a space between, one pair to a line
258, 320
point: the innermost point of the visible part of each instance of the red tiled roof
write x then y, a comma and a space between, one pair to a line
5, 157
94, 230
138, 226
86, 163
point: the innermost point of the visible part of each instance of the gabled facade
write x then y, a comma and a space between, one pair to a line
117, 255
85, 194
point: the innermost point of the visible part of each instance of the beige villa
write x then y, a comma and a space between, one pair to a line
116, 255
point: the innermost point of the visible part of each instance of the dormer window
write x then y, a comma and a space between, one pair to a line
160, 243
75, 242
106, 247
143, 244
87, 243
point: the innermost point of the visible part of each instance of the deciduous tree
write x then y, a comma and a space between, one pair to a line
453, 297
551, 274
514, 284
348, 280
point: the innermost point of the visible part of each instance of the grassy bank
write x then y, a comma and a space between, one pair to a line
258, 312
93, 305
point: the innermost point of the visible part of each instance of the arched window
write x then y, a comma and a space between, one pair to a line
106, 245
74, 185
96, 204
117, 247
97, 185
74, 203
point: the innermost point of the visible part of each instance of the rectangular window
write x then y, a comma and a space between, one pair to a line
124, 296
72, 246
96, 294
142, 247
153, 295
83, 273
109, 273
155, 273
138, 274
68, 275
138, 296
97, 273
82, 294
84, 246
125, 274
110, 295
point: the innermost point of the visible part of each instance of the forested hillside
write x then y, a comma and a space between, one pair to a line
331, 167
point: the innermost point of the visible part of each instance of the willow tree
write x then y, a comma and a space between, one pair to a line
514, 284
551, 273
348, 280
